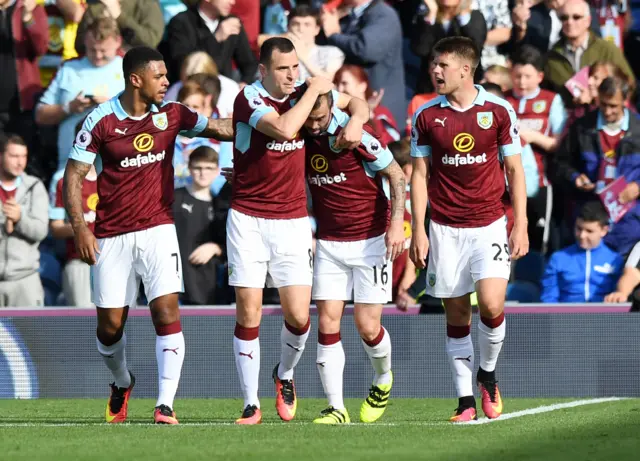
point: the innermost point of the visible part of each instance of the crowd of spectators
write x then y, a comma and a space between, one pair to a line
563, 64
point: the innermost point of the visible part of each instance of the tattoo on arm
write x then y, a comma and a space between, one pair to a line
220, 129
74, 174
398, 186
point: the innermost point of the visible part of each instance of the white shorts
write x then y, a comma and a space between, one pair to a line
151, 256
277, 248
459, 257
358, 271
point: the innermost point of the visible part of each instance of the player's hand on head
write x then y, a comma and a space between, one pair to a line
227, 173
394, 239
204, 253
87, 245
519, 242
583, 183
319, 84
419, 249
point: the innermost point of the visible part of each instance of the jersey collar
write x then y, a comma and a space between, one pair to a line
479, 101
624, 123
119, 110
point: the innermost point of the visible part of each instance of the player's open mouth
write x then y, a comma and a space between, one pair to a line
439, 81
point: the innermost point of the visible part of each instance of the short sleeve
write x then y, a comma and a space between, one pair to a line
249, 107
56, 207
52, 95
89, 138
375, 153
633, 260
557, 116
191, 122
419, 136
508, 137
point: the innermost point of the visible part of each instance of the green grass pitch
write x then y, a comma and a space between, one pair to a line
411, 429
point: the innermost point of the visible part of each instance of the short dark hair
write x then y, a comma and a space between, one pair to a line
493, 88
462, 47
594, 211
328, 96
209, 83
281, 44
304, 11
611, 85
401, 151
10, 138
204, 154
138, 58
528, 54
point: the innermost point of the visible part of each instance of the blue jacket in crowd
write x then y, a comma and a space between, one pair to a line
575, 275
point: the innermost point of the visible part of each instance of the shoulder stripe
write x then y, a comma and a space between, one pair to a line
434, 102
97, 114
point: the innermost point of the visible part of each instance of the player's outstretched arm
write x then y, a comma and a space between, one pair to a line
220, 129
85, 241
518, 240
286, 126
398, 185
419, 241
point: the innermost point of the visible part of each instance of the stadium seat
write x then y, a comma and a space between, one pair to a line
530, 268
51, 277
523, 292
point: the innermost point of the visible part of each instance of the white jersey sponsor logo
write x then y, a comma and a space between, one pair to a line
140, 160
325, 179
286, 146
468, 159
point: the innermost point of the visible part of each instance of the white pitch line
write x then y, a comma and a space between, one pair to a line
504, 417
544, 409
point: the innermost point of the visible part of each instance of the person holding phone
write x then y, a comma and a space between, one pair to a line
82, 84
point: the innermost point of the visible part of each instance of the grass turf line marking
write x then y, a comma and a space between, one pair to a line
505, 416
544, 409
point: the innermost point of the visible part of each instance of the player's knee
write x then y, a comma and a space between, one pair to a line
491, 308
328, 324
369, 329
109, 332
298, 320
164, 315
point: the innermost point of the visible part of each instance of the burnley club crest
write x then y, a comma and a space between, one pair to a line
485, 120
160, 121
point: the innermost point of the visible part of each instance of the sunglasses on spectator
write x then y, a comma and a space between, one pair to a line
575, 17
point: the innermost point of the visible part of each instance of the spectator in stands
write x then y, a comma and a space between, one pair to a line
499, 75
83, 83
23, 225
578, 47
539, 25
201, 63
64, 17
24, 36
541, 117
193, 96
209, 27
140, 21
76, 276
445, 18
353, 80
370, 36
587, 99
200, 235
588, 270
248, 11
629, 282
315, 60
498, 18
416, 102
599, 148
170, 8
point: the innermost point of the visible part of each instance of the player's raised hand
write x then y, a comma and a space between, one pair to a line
519, 242
394, 239
227, 173
87, 245
419, 249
